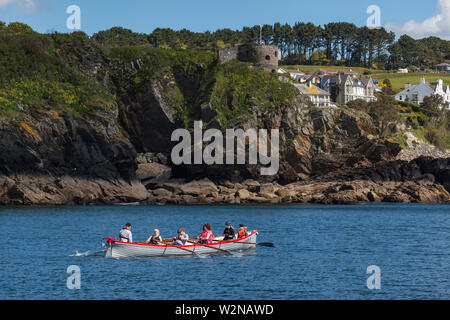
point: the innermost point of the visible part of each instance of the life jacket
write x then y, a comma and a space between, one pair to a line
208, 235
124, 235
155, 240
242, 232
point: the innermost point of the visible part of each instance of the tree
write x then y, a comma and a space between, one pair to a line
18, 27
387, 87
433, 106
267, 33
342, 43
118, 36
385, 112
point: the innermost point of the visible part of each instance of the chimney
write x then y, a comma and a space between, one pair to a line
440, 84
422, 80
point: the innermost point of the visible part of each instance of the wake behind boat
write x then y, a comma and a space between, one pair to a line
118, 249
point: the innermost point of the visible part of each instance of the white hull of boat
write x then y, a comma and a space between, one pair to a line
120, 250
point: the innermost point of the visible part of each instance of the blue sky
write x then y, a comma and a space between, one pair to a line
403, 16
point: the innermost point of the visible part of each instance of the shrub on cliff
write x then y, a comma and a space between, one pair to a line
18, 27
118, 36
38, 70
238, 88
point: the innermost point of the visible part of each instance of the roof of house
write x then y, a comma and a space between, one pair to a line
425, 88
365, 81
432, 85
445, 64
356, 82
311, 90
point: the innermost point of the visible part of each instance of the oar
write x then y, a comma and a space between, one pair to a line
187, 250
87, 254
262, 244
218, 249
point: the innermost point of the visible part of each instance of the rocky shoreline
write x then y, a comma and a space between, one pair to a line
206, 192
424, 180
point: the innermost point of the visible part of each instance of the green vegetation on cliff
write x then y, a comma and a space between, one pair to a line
81, 75
40, 71
428, 122
75, 73
238, 88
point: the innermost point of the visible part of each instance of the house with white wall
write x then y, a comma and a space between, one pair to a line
416, 93
318, 97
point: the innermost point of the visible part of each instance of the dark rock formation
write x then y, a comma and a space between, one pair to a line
148, 117
63, 159
395, 181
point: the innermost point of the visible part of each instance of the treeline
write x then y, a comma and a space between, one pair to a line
339, 43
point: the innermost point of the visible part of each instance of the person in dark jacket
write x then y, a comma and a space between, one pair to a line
155, 238
228, 232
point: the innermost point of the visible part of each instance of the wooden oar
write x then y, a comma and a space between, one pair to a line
263, 244
187, 250
203, 245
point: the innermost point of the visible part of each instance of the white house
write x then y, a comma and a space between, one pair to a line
416, 93
318, 97
296, 75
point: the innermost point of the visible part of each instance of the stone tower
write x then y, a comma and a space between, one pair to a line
261, 55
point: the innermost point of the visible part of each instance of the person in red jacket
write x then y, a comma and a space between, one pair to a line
207, 235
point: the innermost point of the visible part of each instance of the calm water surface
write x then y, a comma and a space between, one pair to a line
322, 252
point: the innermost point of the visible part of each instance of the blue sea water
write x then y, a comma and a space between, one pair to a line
321, 252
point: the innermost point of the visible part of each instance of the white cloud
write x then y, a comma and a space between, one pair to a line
29, 6
438, 25
5, 2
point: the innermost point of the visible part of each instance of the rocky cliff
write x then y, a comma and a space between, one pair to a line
59, 159
81, 125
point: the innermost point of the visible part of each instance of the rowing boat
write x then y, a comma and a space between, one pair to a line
118, 249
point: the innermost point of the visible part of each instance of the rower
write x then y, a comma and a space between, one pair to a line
182, 238
207, 235
242, 231
155, 238
125, 234
228, 232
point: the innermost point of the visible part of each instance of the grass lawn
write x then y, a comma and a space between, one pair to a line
398, 80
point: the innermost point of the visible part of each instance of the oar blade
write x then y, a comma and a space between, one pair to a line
266, 244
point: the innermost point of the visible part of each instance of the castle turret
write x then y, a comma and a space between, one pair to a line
262, 56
